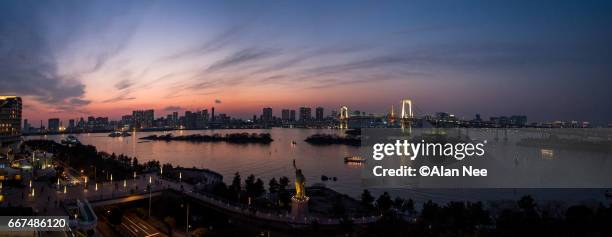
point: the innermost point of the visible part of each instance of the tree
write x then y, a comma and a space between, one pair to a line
409, 207
398, 203
170, 224
384, 202
526, 203
259, 188
134, 162
283, 182
249, 185
235, 188
273, 186
367, 198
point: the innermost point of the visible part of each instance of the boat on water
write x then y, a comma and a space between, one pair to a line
119, 134
71, 140
354, 159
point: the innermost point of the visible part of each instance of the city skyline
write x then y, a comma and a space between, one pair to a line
75, 59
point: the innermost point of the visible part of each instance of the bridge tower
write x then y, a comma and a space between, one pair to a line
391, 116
344, 116
406, 116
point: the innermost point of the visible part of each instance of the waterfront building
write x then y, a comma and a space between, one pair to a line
143, 118
266, 115
305, 114
205, 116
53, 125
292, 115
10, 116
285, 115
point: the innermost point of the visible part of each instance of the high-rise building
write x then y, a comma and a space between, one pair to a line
143, 118
175, 117
292, 115
205, 116
212, 115
71, 123
53, 125
285, 115
26, 126
10, 116
305, 114
267, 115
319, 113
190, 120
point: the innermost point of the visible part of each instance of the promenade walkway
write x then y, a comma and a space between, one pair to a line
46, 198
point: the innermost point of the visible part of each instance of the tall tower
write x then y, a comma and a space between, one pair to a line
406, 116
344, 115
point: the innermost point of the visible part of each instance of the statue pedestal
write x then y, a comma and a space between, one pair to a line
299, 208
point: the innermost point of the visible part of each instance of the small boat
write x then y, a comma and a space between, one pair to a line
119, 134
354, 159
71, 140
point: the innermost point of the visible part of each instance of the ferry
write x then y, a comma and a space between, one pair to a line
354, 159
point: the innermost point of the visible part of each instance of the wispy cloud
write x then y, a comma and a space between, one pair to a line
242, 57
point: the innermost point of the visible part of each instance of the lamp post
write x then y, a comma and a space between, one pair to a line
150, 181
187, 224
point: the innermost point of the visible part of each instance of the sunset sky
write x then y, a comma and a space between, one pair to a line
545, 59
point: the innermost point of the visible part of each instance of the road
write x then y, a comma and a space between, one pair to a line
137, 227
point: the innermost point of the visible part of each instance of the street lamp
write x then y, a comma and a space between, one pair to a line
150, 180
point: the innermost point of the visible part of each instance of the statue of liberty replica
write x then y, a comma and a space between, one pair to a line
299, 202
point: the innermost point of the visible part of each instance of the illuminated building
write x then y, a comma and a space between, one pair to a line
10, 116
